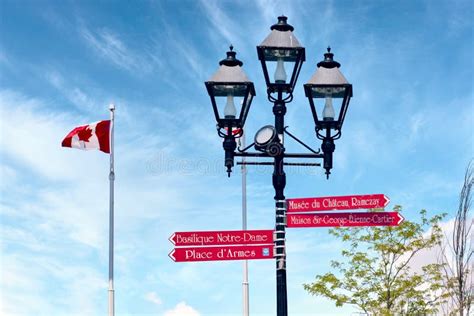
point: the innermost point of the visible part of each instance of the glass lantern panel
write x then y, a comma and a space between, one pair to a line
230, 106
280, 71
328, 106
332, 91
248, 101
226, 89
273, 54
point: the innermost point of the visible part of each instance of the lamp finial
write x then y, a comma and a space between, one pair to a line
329, 61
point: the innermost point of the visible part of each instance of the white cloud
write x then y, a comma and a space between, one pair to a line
271, 9
62, 215
3, 58
111, 47
222, 22
268, 11
439, 254
153, 297
446, 248
31, 136
182, 309
7, 173
183, 278
73, 94
34, 137
27, 277
192, 58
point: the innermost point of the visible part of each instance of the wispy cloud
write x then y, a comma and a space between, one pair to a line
268, 10
271, 9
7, 172
31, 137
190, 59
26, 277
76, 95
183, 278
27, 136
222, 22
3, 58
110, 46
153, 298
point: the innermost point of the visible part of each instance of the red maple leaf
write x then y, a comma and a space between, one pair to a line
85, 134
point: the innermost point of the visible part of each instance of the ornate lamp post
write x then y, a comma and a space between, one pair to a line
278, 53
280, 46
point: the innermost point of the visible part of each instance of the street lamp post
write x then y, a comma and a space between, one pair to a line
278, 52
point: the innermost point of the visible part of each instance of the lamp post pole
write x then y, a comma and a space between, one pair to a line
279, 183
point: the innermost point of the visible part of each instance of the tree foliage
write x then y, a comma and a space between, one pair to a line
375, 275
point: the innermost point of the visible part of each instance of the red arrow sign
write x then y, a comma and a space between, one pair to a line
221, 253
345, 219
349, 202
229, 237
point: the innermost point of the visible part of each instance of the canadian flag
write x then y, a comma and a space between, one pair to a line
235, 130
93, 136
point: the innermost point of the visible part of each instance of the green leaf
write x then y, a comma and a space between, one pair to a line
374, 274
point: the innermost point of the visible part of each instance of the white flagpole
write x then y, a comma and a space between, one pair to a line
111, 215
245, 282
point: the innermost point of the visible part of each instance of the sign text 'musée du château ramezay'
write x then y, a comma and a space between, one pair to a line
349, 202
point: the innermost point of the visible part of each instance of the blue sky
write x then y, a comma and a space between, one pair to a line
408, 134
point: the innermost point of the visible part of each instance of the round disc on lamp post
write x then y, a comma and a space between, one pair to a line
277, 51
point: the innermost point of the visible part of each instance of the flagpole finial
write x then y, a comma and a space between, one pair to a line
112, 107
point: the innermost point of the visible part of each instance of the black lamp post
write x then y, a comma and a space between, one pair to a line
280, 50
281, 47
